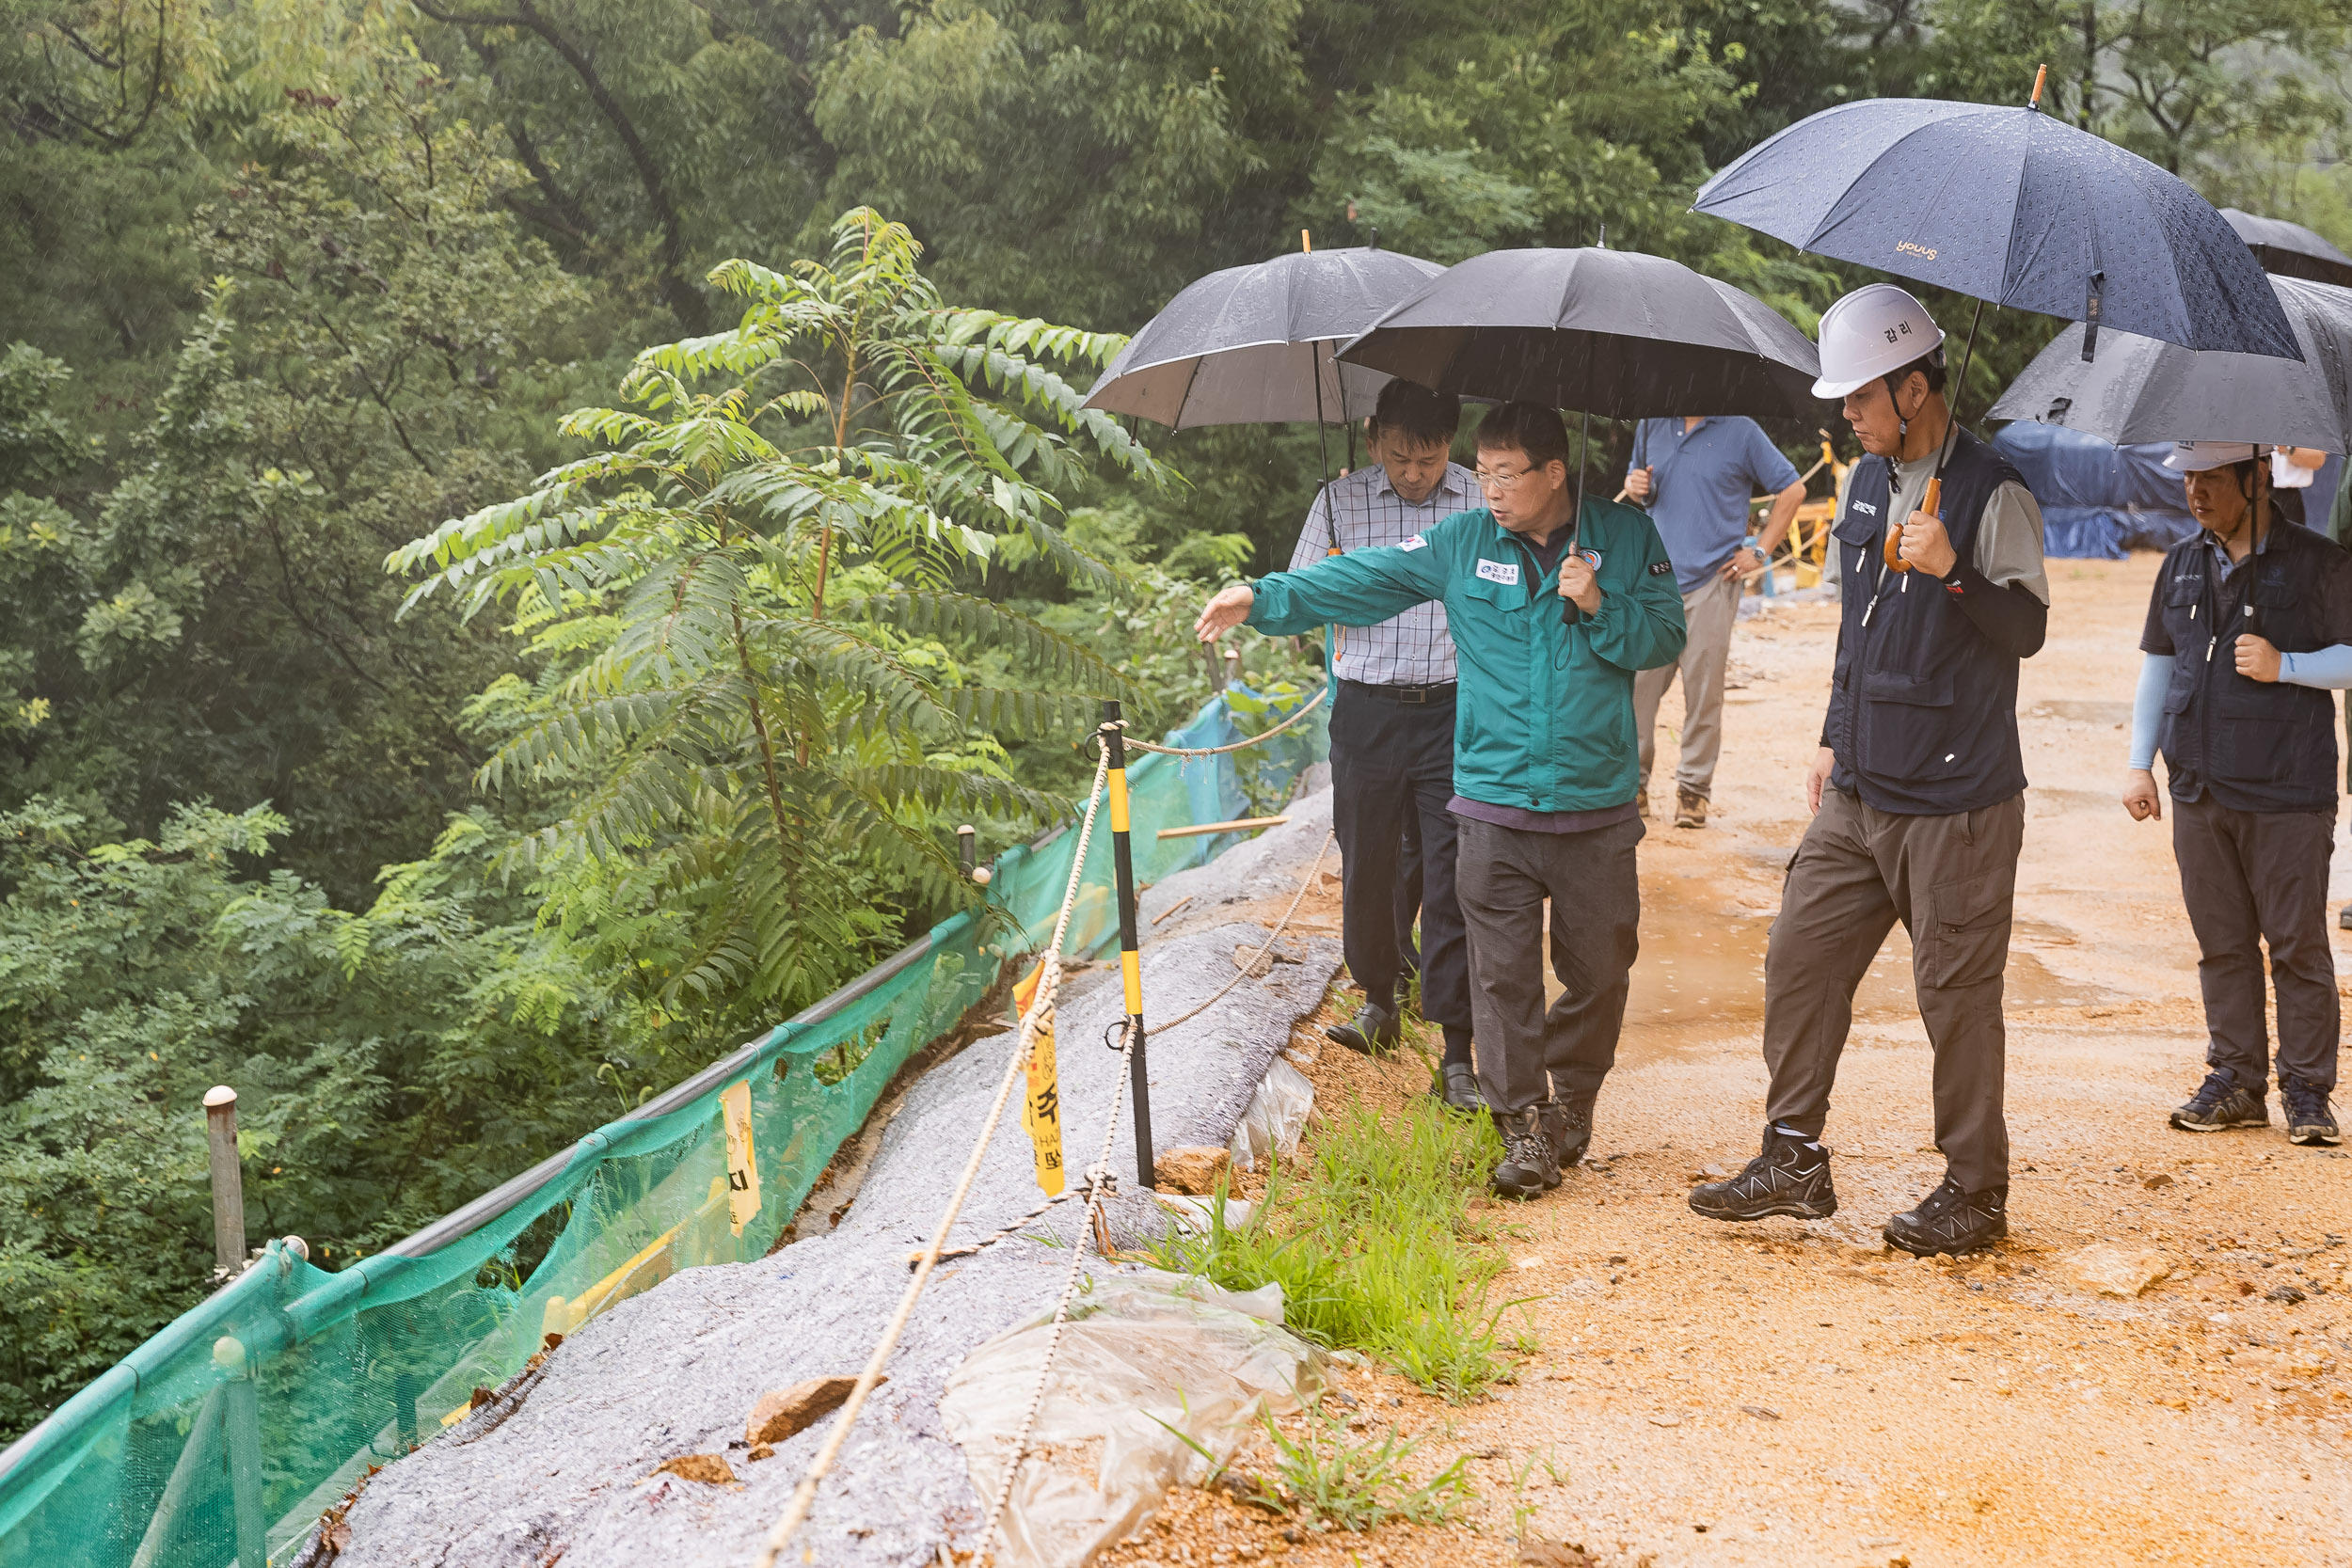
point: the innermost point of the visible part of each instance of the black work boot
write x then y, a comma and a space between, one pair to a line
1457, 1085
1790, 1177
1570, 1120
1530, 1167
2310, 1119
1949, 1220
1373, 1030
2223, 1102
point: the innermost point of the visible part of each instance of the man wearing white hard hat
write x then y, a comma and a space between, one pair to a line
2250, 627
1917, 788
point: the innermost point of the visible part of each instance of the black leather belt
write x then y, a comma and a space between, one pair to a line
1403, 693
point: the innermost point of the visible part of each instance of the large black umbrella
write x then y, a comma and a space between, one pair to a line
1252, 345
2289, 249
2012, 206
1609, 332
2141, 389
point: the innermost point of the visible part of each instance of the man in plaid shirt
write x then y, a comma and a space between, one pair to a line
1392, 740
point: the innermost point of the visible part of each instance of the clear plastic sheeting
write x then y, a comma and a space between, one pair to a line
1143, 1358
1276, 1118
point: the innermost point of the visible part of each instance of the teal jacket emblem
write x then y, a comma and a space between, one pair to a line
1545, 717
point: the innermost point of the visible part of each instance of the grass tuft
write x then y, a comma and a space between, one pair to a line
1358, 1484
1376, 1247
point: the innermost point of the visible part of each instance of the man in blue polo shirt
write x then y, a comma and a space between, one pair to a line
1695, 476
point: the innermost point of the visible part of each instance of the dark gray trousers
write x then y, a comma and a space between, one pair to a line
2250, 877
1528, 1055
1951, 880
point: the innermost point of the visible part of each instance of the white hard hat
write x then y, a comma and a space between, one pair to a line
1877, 330
2195, 457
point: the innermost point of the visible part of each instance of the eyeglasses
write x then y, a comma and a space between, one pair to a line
1492, 480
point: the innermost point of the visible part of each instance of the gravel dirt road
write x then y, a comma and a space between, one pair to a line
1791, 1392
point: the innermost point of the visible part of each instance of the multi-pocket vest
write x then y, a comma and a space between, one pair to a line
2251, 745
1923, 708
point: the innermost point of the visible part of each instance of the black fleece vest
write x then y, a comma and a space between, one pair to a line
2251, 745
1923, 709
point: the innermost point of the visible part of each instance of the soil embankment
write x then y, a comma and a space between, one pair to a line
1791, 1393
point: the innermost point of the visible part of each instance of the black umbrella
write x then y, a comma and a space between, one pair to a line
1252, 345
2012, 206
1609, 332
2139, 389
2289, 249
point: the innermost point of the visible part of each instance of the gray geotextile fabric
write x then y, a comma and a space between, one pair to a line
1267, 866
675, 1371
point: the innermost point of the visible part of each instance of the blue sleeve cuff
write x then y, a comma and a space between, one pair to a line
2329, 669
2156, 679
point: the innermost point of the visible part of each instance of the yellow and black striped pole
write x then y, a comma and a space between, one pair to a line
1130, 950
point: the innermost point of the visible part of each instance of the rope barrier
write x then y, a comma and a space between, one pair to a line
1297, 898
1096, 1186
1242, 744
1049, 981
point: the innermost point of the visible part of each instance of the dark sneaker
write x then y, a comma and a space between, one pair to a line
2310, 1119
1790, 1177
2221, 1104
1372, 1031
1530, 1167
1569, 1121
1690, 808
1949, 1220
1457, 1085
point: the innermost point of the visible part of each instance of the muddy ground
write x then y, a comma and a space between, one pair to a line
1791, 1392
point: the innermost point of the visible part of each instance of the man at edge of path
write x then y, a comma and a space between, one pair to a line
1694, 475
1551, 611
1918, 789
1392, 741
2249, 626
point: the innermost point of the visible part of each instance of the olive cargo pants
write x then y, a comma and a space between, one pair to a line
1951, 882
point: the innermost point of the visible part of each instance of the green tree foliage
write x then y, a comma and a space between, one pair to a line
746, 764
390, 1064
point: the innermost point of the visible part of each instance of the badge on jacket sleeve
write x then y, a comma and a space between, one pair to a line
1414, 542
1660, 568
1503, 571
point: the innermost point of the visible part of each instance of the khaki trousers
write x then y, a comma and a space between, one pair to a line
1709, 611
1951, 882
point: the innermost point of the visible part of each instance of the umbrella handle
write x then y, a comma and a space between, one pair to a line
1928, 503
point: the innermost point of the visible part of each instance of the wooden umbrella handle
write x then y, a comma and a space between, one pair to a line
1895, 561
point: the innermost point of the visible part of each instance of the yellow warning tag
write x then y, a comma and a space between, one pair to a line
1041, 1107
734, 1111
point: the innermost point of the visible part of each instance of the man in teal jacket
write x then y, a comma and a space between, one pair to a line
1551, 615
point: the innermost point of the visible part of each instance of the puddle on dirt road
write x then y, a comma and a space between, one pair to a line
1701, 970
2113, 715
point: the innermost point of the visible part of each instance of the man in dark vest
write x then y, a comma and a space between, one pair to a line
2248, 627
1918, 789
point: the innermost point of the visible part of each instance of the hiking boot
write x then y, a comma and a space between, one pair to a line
2310, 1119
1690, 809
1569, 1123
1949, 1220
1790, 1177
2220, 1103
2344, 917
1530, 1168
1373, 1030
1457, 1085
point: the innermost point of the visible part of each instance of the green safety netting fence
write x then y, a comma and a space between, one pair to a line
222, 1439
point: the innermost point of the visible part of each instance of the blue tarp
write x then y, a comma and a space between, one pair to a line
2098, 500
